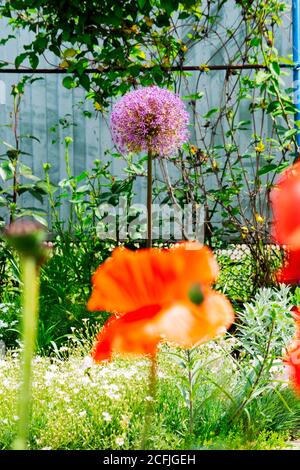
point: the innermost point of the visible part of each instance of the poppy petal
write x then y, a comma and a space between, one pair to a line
130, 280
187, 324
292, 360
128, 334
184, 324
285, 198
290, 272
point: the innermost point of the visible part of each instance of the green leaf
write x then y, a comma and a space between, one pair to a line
282, 167
135, 169
28, 136
261, 77
5, 40
169, 5
36, 195
194, 96
40, 219
85, 82
162, 20
274, 105
81, 177
275, 68
68, 82
290, 133
211, 112
26, 171
183, 16
3, 202
6, 171
43, 187
8, 145
267, 169
20, 59
285, 60
157, 74
53, 48
83, 189
243, 125
34, 61
255, 42
40, 44
141, 3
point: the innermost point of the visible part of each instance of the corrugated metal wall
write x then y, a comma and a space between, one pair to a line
47, 101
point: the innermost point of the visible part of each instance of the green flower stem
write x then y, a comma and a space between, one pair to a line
149, 200
150, 408
190, 392
30, 273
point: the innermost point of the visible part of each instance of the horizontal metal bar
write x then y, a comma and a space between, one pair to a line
177, 68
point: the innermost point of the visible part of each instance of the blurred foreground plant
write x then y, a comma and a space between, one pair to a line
29, 240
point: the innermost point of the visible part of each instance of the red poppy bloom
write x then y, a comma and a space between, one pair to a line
285, 198
296, 315
292, 358
158, 295
290, 272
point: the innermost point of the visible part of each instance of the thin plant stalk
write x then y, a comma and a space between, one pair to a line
190, 391
68, 141
151, 403
30, 273
149, 199
16, 153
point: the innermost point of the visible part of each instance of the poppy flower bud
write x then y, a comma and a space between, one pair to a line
28, 238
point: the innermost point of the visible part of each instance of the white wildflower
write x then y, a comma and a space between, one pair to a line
149, 398
106, 416
119, 441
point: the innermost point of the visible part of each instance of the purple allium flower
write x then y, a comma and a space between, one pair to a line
150, 119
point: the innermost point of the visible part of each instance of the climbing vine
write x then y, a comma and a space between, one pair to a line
242, 135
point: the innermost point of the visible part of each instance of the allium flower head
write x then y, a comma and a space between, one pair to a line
149, 119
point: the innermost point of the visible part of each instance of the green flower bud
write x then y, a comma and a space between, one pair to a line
47, 166
196, 294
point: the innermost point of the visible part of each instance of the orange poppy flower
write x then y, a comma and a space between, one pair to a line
285, 198
292, 358
290, 272
296, 315
158, 295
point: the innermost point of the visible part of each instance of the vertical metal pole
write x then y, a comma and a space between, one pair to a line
296, 60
